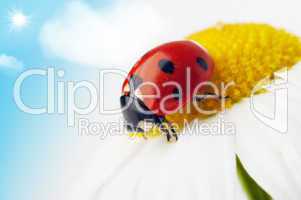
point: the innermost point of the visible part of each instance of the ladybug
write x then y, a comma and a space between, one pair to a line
157, 85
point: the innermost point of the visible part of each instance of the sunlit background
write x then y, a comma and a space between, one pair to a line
39, 155
18, 19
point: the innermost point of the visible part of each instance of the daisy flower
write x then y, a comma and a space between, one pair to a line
259, 160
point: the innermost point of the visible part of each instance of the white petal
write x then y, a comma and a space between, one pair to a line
196, 167
272, 158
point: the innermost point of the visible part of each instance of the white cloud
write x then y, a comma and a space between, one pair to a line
120, 34
91, 37
117, 35
10, 62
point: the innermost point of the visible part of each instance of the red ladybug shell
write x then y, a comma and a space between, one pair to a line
169, 64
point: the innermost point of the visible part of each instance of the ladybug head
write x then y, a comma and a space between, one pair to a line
136, 114
140, 119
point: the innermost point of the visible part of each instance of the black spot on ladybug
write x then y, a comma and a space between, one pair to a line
202, 63
176, 93
135, 81
166, 66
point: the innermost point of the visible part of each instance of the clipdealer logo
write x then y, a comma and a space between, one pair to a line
62, 94
60, 91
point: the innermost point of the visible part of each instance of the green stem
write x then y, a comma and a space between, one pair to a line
253, 190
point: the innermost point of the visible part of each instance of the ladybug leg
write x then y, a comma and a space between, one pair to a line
140, 130
172, 136
144, 136
169, 132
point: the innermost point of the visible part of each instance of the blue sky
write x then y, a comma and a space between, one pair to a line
24, 44
25, 140
20, 134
